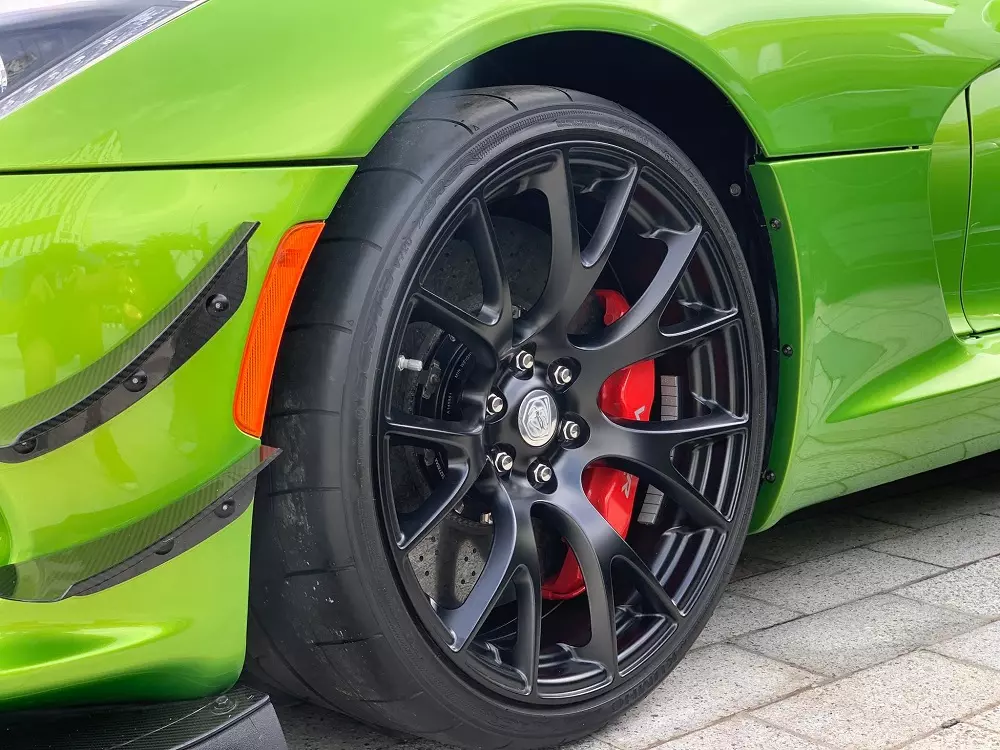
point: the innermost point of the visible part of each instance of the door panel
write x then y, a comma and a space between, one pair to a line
981, 277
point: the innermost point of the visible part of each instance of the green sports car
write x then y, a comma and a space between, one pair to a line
430, 360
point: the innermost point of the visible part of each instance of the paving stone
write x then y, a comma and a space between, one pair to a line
981, 646
810, 538
751, 566
933, 506
737, 615
955, 543
975, 588
888, 704
743, 733
709, 684
988, 719
958, 737
591, 743
837, 579
309, 728
859, 634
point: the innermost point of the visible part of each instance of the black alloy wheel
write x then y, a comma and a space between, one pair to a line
485, 354
524, 480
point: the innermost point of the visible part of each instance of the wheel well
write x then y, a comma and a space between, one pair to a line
677, 98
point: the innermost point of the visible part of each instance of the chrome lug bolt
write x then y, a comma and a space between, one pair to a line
562, 375
524, 360
494, 404
541, 473
571, 430
503, 462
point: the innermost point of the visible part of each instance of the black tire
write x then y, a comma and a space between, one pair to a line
329, 621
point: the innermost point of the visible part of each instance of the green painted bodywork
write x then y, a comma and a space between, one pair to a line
84, 259
879, 386
811, 76
118, 185
981, 281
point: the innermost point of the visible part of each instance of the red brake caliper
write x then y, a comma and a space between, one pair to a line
628, 394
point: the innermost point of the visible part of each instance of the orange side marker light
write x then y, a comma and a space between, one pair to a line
268, 324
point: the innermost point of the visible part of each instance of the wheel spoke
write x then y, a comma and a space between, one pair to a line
456, 437
595, 255
486, 248
513, 551
645, 449
527, 583
484, 339
637, 335
704, 324
597, 547
459, 478
556, 184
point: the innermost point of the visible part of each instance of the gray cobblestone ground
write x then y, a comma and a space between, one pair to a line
869, 623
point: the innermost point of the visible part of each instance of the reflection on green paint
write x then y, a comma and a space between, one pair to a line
879, 387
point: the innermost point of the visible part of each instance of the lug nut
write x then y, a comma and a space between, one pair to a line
503, 461
570, 430
494, 404
524, 360
562, 375
541, 473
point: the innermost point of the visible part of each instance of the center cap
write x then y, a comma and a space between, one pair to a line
537, 418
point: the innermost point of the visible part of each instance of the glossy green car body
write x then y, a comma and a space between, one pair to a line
875, 124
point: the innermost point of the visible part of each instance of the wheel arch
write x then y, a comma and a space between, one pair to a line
711, 129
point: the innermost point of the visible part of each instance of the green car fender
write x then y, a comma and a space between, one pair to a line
248, 81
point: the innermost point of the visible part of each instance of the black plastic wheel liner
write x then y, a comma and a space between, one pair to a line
687, 311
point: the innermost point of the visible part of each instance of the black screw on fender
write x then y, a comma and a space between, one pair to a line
218, 304
787, 350
769, 476
136, 381
775, 223
25, 446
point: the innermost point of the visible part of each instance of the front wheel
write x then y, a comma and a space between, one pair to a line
521, 399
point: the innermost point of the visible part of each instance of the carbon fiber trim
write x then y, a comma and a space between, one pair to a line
240, 719
128, 372
123, 554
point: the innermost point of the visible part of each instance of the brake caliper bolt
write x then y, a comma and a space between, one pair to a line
562, 375
494, 404
570, 430
524, 360
405, 363
541, 473
503, 461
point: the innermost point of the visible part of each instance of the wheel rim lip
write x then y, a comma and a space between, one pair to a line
496, 179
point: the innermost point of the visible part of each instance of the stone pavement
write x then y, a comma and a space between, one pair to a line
871, 622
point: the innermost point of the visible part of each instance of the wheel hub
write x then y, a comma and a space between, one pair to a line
538, 418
